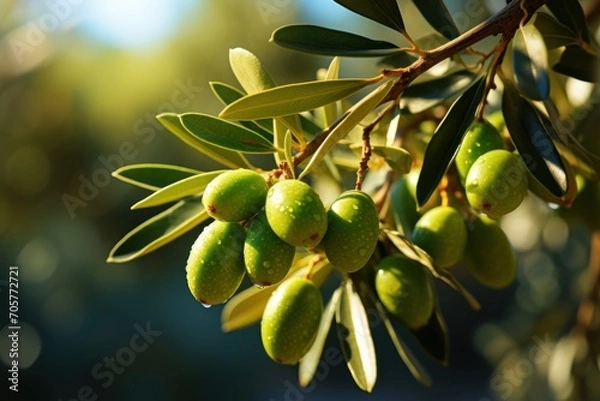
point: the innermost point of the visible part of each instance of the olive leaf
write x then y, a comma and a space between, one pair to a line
533, 141
246, 308
530, 63
289, 158
159, 230
386, 12
225, 134
225, 157
438, 16
355, 338
570, 14
153, 176
254, 78
433, 337
578, 63
553, 32
294, 98
330, 42
330, 111
309, 363
421, 96
347, 122
446, 140
190, 186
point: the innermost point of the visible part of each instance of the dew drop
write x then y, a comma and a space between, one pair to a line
355, 207
266, 264
271, 271
362, 252
207, 306
260, 287
474, 183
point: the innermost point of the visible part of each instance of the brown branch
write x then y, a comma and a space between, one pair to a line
505, 22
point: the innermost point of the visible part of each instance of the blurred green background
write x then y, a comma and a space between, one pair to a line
80, 84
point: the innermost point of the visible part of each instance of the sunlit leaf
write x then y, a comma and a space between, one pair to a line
386, 12
355, 338
578, 63
421, 96
225, 134
398, 60
309, 363
330, 111
330, 42
190, 186
292, 99
446, 140
153, 176
553, 32
159, 230
530, 63
289, 157
225, 157
533, 142
353, 117
246, 308
228, 94
438, 16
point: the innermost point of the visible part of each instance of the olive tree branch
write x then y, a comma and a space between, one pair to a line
505, 22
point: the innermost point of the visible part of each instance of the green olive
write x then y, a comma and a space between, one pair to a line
480, 138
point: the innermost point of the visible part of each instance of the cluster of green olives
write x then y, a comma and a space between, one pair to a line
256, 231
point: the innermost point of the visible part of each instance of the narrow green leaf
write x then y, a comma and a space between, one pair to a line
225, 157
394, 127
421, 96
533, 141
438, 16
249, 71
446, 140
190, 186
279, 132
225, 134
330, 111
433, 337
355, 338
398, 60
153, 176
530, 63
227, 94
578, 63
386, 12
330, 42
309, 363
159, 230
289, 157
570, 13
246, 308
411, 362
351, 119
291, 99
554, 33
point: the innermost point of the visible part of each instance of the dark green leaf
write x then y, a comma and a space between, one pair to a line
398, 60
533, 141
386, 12
446, 140
226, 157
330, 42
159, 230
355, 338
225, 134
554, 33
438, 16
190, 186
153, 176
530, 63
291, 99
433, 337
570, 13
421, 96
578, 63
